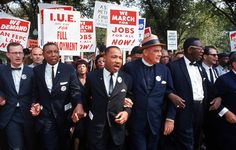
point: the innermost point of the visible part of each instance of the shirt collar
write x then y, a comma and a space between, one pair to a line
146, 63
21, 66
50, 66
187, 61
107, 73
234, 71
205, 66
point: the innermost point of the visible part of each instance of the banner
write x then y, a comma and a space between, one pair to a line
171, 40
141, 27
232, 36
87, 35
13, 29
122, 30
63, 28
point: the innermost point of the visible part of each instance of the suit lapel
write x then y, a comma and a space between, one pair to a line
41, 72
140, 76
9, 74
23, 77
58, 75
185, 71
119, 82
101, 82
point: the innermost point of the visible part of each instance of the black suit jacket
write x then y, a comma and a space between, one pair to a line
105, 108
64, 95
8, 91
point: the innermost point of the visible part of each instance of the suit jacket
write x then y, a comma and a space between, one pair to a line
8, 91
226, 89
103, 108
64, 95
148, 106
183, 87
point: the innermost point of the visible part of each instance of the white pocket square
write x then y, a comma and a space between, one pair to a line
63, 83
163, 82
123, 90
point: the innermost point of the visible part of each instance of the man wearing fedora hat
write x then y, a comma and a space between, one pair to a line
151, 82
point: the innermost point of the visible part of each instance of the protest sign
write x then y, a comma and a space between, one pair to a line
171, 40
147, 32
13, 29
32, 43
100, 14
122, 30
87, 35
232, 36
141, 27
43, 6
63, 28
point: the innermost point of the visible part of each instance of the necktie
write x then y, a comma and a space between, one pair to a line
52, 73
211, 76
111, 85
15, 68
193, 63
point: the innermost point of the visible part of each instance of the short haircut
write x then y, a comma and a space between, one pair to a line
13, 44
48, 44
110, 47
189, 42
207, 49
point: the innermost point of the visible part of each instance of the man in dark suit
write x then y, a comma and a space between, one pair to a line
16, 97
105, 92
189, 82
151, 82
226, 89
57, 92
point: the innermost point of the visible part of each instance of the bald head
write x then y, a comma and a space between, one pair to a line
37, 55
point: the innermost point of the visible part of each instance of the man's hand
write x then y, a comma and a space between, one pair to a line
78, 113
121, 117
230, 117
169, 127
128, 103
215, 103
176, 100
35, 109
2, 101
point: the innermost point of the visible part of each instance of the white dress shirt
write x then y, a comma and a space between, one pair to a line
107, 77
208, 72
196, 81
48, 75
16, 74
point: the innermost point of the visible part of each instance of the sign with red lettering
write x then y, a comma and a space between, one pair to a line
63, 28
43, 6
122, 30
13, 30
232, 36
87, 35
32, 43
147, 32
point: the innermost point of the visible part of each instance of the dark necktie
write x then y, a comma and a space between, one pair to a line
111, 85
52, 73
211, 76
15, 68
193, 64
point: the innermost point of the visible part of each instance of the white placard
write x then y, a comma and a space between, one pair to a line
13, 29
171, 40
63, 28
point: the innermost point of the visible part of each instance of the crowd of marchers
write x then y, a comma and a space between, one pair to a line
157, 100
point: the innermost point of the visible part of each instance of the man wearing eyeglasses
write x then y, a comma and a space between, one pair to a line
189, 83
16, 95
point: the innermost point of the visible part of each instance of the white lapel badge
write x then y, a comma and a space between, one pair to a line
63, 88
23, 76
119, 79
158, 78
123, 90
163, 82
